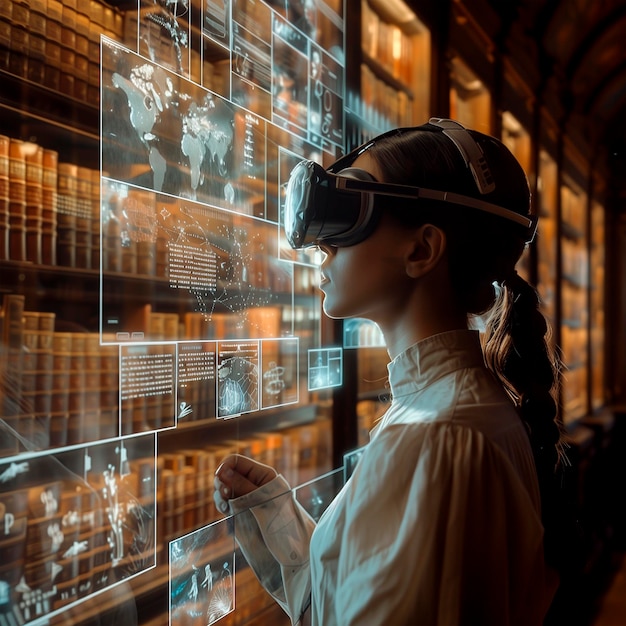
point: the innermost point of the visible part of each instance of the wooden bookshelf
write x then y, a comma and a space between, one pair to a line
393, 70
574, 306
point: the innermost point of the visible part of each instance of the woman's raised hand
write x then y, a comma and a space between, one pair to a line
237, 476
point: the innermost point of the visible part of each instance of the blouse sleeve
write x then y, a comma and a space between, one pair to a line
273, 532
438, 529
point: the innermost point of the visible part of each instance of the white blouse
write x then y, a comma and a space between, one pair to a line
439, 524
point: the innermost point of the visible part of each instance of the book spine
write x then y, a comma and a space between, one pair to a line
37, 381
49, 189
4, 197
61, 361
67, 203
13, 336
77, 425
83, 217
95, 218
17, 200
34, 202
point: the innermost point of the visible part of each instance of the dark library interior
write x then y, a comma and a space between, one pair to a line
154, 319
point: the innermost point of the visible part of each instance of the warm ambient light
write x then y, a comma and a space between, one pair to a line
510, 122
397, 44
28, 148
397, 11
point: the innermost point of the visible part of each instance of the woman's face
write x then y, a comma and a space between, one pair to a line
368, 279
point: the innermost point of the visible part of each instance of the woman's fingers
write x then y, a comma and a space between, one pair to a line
220, 502
255, 472
237, 476
232, 484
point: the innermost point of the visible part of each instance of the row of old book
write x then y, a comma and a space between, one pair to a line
57, 43
51, 214
49, 211
63, 388
382, 105
387, 43
57, 388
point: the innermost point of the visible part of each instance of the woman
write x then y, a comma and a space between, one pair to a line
441, 522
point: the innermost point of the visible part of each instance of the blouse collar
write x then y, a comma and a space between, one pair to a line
432, 358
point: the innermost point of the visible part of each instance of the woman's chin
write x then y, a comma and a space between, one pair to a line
331, 314
331, 311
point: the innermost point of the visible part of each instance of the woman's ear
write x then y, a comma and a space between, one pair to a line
429, 246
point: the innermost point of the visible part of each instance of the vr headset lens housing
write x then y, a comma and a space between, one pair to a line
337, 206
317, 208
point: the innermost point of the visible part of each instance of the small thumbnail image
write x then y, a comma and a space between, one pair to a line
202, 575
237, 378
279, 361
315, 495
325, 368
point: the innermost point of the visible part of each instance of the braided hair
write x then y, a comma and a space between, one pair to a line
482, 253
517, 350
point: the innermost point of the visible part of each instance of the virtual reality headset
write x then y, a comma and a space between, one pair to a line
338, 206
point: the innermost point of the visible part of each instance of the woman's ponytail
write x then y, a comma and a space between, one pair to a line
517, 350
518, 353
